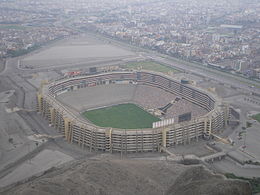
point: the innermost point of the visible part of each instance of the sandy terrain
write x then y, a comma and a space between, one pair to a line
75, 51
127, 177
220, 90
40, 163
79, 52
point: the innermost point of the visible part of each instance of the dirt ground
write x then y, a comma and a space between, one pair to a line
127, 177
77, 50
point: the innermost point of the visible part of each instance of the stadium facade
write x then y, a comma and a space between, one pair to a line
86, 134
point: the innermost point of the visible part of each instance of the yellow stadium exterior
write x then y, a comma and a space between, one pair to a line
96, 138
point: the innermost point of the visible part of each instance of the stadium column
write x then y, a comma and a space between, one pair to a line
164, 136
71, 132
39, 102
91, 141
205, 125
142, 140
80, 140
52, 112
109, 136
153, 141
110, 140
84, 135
210, 125
136, 141
188, 133
67, 129
121, 149
183, 135
226, 114
60, 118
175, 135
195, 122
125, 135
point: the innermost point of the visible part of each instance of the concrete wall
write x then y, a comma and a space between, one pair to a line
119, 140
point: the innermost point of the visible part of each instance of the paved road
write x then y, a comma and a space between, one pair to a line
250, 138
227, 166
241, 83
244, 84
204, 71
25, 97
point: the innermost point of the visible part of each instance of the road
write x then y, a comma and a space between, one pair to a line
204, 71
233, 80
21, 149
250, 137
221, 77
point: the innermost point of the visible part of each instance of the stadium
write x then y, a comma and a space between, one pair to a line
151, 110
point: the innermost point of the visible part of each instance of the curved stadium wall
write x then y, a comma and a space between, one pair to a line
96, 138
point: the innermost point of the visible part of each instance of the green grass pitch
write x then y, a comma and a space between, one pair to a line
257, 117
150, 65
125, 116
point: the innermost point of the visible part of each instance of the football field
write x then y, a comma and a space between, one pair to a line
123, 116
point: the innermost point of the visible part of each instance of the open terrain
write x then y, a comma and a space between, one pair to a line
127, 177
74, 51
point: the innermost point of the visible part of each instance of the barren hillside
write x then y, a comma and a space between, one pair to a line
128, 177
